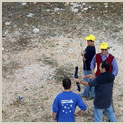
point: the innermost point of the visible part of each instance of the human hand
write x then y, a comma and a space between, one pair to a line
76, 79
54, 120
76, 114
83, 76
91, 76
83, 53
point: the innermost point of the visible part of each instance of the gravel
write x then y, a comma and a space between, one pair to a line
49, 40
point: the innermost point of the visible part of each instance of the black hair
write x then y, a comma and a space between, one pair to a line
66, 83
105, 65
90, 40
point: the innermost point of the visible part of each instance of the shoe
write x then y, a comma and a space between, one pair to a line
89, 98
82, 95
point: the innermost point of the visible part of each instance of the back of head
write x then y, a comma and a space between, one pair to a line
105, 65
66, 83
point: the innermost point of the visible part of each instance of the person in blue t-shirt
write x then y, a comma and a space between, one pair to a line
65, 103
103, 93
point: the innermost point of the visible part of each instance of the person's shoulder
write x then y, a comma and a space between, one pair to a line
75, 94
87, 47
59, 95
111, 55
108, 76
111, 75
92, 48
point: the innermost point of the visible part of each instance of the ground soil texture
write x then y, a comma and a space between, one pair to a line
34, 63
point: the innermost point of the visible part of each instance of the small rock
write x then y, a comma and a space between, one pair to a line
30, 15
85, 9
75, 10
48, 10
15, 26
23, 4
36, 30
56, 9
67, 3
2, 48
7, 23
106, 6
26, 24
84, 4
6, 33
42, 86
90, 7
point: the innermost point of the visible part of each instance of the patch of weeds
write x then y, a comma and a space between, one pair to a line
116, 30
25, 89
46, 98
42, 107
17, 102
51, 45
10, 68
19, 44
63, 71
4, 114
46, 118
49, 61
22, 43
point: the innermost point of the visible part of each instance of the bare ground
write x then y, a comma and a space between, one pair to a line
33, 64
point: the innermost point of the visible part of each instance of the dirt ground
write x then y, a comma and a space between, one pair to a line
42, 43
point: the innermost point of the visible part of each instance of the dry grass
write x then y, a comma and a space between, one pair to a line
53, 48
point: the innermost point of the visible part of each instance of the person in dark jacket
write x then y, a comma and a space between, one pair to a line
89, 52
103, 93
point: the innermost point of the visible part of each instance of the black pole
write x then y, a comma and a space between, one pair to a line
76, 76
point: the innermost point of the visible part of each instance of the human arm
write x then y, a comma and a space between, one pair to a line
79, 113
83, 55
55, 109
115, 67
84, 83
92, 66
91, 76
82, 106
93, 72
54, 116
91, 83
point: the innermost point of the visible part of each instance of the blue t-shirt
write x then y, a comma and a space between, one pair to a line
65, 104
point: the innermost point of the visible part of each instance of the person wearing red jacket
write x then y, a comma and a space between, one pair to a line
104, 56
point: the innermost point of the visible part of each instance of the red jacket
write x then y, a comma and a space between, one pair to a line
99, 60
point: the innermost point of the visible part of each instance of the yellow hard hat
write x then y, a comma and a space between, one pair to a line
104, 45
91, 37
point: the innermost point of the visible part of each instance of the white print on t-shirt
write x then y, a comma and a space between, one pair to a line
66, 101
66, 106
71, 105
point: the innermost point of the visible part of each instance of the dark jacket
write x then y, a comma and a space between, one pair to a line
103, 90
90, 52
